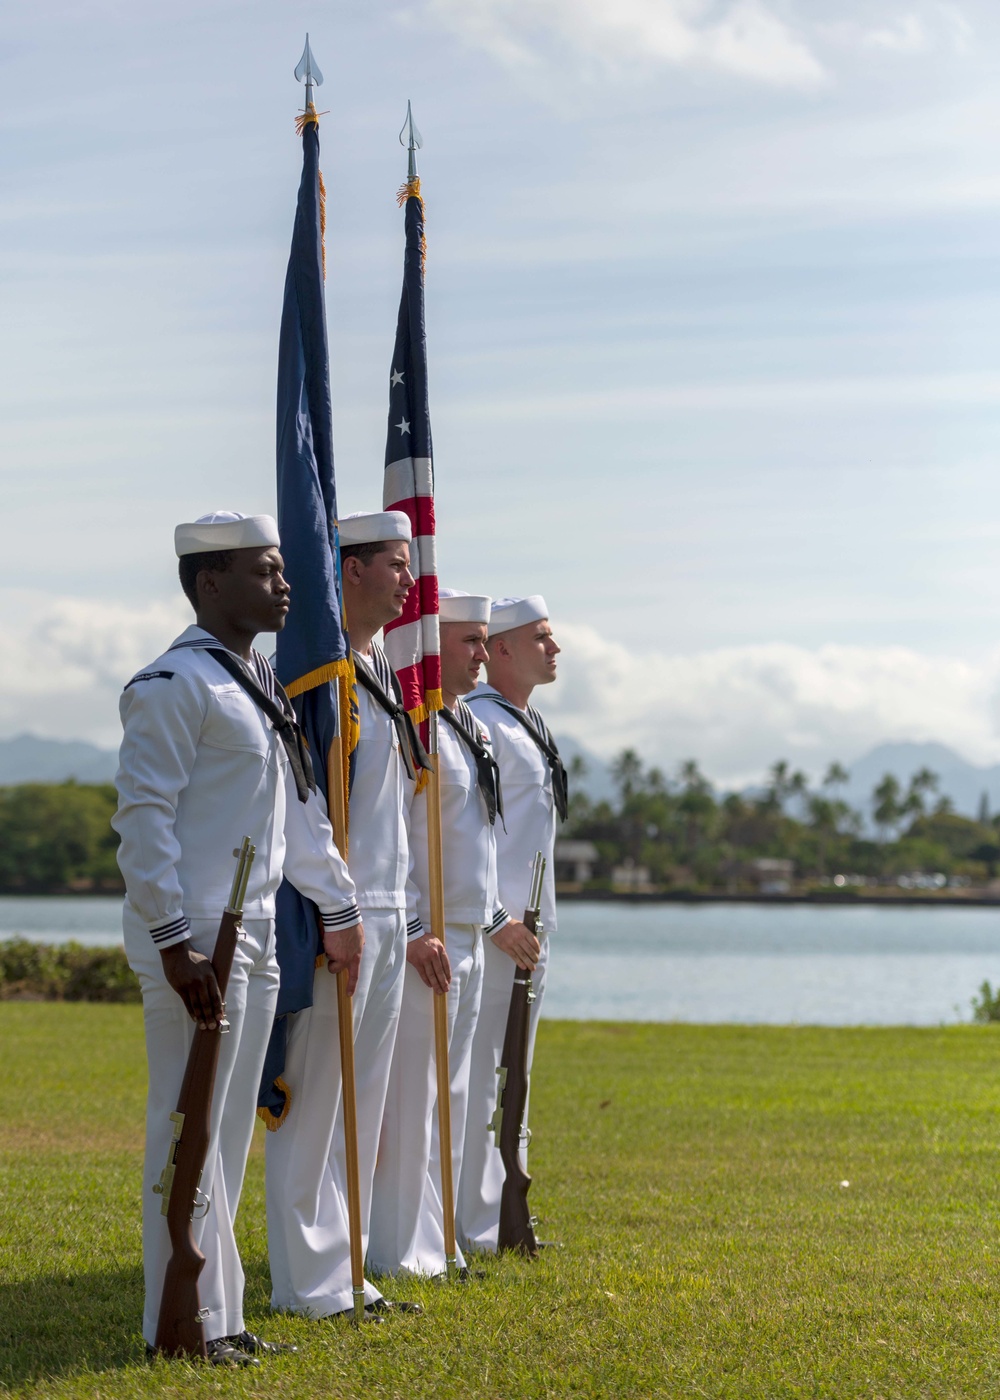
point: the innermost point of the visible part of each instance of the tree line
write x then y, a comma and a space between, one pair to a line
687, 835
57, 836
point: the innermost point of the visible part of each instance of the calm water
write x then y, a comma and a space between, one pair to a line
707, 962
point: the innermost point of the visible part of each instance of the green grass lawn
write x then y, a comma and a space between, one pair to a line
694, 1175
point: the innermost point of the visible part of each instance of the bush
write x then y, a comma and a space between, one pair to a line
65, 972
986, 1006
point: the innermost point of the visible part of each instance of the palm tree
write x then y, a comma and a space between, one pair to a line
696, 803
922, 784
836, 777
886, 805
784, 784
626, 770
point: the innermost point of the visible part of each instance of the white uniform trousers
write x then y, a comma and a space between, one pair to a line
250, 1001
407, 1231
307, 1217
481, 1185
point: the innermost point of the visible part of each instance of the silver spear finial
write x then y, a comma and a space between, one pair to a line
411, 138
307, 71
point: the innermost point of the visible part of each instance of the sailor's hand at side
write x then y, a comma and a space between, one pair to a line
343, 948
518, 942
430, 957
192, 977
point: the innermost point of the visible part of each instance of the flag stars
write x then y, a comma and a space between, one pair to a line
403, 427
397, 378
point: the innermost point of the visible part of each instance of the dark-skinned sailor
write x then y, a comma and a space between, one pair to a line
522, 655
407, 1232
210, 755
307, 1211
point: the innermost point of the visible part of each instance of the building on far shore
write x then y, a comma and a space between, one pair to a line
574, 865
773, 876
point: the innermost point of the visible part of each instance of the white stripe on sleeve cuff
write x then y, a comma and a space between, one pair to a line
165, 935
414, 928
500, 920
343, 918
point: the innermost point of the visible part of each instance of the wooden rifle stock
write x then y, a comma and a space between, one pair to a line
516, 1230
180, 1329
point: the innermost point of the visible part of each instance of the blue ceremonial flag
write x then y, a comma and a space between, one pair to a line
313, 654
312, 648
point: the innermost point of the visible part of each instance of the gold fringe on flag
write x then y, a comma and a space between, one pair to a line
310, 117
322, 220
411, 190
273, 1121
332, 671
350, 727
433, 700
307, 118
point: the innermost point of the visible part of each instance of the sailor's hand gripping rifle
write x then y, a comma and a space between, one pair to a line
180, 1329
516, 1226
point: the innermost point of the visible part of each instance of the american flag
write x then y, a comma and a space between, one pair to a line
412, 641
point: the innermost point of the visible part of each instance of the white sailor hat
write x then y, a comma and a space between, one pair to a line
508, 613
456, 606
372, 527
225, 529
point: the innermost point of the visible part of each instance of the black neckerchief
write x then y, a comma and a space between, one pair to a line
281, 716
412, 751
487, 772
539, 731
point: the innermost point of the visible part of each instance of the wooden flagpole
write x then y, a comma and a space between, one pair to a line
436, 876
336, 789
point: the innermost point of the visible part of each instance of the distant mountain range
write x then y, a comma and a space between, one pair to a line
965, 783
28, 759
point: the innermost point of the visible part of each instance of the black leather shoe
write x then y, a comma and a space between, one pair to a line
222, 1352
348, 1314
386, 1305
256, 1346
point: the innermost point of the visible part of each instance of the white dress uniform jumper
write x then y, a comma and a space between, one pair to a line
407, 1230
200, 768
307, 1215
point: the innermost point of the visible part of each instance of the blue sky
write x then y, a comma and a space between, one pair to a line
712, 304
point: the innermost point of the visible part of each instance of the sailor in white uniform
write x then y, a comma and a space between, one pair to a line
522, 655
407, 1218
209, 756
307, 1213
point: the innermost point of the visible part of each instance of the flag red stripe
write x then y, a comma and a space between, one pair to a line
421, 600
420, 509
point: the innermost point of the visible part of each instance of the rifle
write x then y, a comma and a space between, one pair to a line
507, 1125
180, 1329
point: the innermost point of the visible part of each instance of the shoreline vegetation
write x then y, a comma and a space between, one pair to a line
671, 838
678, 838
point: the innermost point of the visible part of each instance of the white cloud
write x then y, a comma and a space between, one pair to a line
66, 660
906, 34
737, 709
734, 709
630, 36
